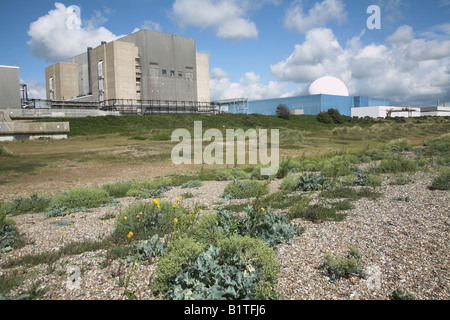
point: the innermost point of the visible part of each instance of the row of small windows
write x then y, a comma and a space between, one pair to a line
155, 73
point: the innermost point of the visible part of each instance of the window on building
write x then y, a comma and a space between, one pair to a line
180, 74
164, 72
172, 73
189, 75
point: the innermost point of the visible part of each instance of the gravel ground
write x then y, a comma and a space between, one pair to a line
402, 244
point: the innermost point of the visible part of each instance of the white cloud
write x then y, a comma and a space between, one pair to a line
53, 40
318, 16
403, 34
312, 59
406, 69
250, 86
228, 18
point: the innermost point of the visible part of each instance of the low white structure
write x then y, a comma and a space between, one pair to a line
296, 112
435, 111
385, 111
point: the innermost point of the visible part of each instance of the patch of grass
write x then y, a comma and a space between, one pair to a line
320, 213
5, 152
351, 193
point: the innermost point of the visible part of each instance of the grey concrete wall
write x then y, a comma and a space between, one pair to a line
176, 55
83, 72
9, 87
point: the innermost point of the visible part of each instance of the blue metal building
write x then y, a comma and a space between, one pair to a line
314, 104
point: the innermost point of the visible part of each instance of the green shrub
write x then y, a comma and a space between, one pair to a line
283, 112
256, 173
442, 181
59, 210
146, 219
337, 268
23, 205
373, 181
287, 166
181, 253
324, 117
8, 232
232, 174
238, 268
313, 182
209, 229
398, 164
399, 145
400, 294
337, 168
245, 189
146, 189
289, 183
118, 189
81, 198
331, 116
264, 224
145, 251
192, 184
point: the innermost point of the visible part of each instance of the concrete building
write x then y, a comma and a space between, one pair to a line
438, 111
385, 111
203, 89
9, 87
62, 81
145, 65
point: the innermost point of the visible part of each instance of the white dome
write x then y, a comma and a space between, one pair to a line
328, 85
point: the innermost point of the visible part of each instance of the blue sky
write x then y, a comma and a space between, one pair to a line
258, 48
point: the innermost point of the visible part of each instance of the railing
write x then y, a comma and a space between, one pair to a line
128, 106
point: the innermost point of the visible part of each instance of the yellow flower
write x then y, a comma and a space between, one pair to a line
103, 222
176, 220
201, 211
177, 199
130, 234
156, 202
140, 212
174, 205
263, 209
138, 216
63, 234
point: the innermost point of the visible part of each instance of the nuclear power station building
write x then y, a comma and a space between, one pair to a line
324, 93
143, 66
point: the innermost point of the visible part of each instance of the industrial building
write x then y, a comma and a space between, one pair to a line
9, 87
143, 66
314, 104
324, 93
